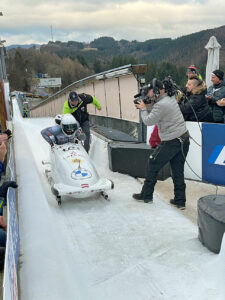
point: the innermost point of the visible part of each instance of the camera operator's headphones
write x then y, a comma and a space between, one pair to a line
156, 91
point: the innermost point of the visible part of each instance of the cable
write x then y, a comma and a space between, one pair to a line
196, 120
195, 141
216, 193
185, 161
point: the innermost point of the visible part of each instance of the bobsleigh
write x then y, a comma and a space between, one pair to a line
73, 174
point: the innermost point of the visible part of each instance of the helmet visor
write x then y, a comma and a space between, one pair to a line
69, 129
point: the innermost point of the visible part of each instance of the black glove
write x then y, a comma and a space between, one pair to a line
5, 186
8, 132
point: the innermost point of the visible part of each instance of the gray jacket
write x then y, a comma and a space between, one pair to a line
166, 114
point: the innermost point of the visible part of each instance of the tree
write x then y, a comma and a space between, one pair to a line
105, 43
82, 60
119, 61
97, 66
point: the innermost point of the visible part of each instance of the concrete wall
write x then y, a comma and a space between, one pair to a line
115, 95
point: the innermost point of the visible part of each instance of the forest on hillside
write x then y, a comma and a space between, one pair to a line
73, 60
24, 64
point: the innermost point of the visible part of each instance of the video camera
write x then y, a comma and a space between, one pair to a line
143, 95
173, 90
170, 86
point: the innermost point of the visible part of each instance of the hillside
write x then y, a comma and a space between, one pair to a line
25, 46
73, 60
182, 51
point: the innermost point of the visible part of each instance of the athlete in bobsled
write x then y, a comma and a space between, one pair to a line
72, 172
67, 130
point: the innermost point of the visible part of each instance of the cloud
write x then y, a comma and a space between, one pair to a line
25, 20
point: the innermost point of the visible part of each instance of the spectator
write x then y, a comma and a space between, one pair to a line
195, 107
215, 93
3, 152
77, 106
193, 71
221, 103
2, 250
3, 138
3, 196
68, 130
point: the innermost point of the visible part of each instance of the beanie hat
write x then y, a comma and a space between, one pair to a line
218, 74
73, 96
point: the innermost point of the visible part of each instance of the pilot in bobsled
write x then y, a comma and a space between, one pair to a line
67, 130
72, 172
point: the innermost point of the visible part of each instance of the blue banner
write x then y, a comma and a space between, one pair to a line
213, 153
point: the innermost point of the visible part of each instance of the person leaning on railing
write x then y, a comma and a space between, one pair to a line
5, 185
221, 103
195, 107
3, 195
3, 151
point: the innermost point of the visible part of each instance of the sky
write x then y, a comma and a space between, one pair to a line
41, 21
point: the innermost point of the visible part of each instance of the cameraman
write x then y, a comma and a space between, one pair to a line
165, 113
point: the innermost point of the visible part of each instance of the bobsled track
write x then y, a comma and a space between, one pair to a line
93, 249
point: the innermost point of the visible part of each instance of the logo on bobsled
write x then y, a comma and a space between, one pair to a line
84, 185
76, 160
74, 154
81, 174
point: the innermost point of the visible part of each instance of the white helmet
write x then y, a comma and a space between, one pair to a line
58, 119
69, 124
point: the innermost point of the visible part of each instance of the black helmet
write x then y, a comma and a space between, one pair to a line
73, 96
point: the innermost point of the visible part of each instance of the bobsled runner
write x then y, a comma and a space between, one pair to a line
72, 173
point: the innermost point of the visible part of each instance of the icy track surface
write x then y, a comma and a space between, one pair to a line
93, 249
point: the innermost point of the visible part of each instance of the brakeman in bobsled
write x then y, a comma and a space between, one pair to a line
72, 172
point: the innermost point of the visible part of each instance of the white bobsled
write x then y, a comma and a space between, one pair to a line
73, 174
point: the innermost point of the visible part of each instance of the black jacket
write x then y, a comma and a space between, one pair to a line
195, 107
80, 111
